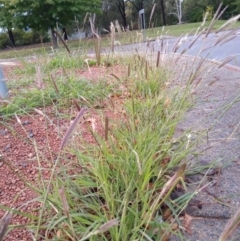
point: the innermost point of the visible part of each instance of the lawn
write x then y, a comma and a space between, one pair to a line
188, 28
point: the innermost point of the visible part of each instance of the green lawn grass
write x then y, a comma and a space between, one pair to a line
123, 38
189, 28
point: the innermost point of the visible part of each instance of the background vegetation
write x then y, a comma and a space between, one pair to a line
95, 16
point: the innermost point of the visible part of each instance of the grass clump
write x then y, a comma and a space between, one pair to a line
55, 81
64, 61
25, 101
122, 187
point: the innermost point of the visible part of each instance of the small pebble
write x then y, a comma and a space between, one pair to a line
2, 132
30, 155
31, 134
26, 122
8, 146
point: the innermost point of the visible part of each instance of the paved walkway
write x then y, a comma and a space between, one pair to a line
214, 123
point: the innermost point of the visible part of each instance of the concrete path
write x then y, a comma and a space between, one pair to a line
214, 124
217, 46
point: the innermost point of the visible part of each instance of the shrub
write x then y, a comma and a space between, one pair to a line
22, 38
4, 41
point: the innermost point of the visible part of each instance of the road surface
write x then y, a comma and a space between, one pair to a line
213, 47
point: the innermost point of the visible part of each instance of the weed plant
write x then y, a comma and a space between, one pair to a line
26, 94
122, 175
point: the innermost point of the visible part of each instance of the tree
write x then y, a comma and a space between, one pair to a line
193, 9
122, 5
122, 10
176, 10
134, 6
110, 14
130, 12
138, 4
44, 14
6, 19
236, 4
163, 13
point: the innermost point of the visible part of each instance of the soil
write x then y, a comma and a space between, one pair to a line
20, 161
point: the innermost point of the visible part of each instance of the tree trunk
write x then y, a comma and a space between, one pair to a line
65, 36
11, 37
124, 21
179, 10
54, 39
163, 13
121, 8
140, 5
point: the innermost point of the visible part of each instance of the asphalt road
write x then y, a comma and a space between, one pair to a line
213, 47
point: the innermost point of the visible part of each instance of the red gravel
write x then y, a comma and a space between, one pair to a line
20, 159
